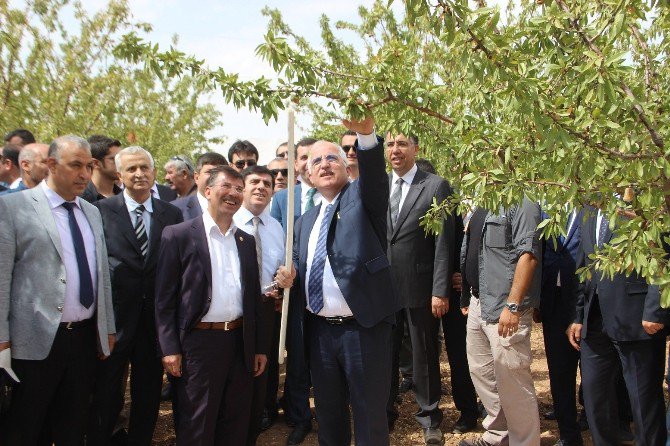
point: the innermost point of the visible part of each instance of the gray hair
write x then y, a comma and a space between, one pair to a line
340, 150
181, 163
132, 150
29, 152
62, 142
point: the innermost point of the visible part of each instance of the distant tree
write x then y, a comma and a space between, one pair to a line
56, 79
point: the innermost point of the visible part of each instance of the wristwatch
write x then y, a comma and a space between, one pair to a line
513, 308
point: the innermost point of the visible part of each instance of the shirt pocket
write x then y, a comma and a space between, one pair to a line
495, 234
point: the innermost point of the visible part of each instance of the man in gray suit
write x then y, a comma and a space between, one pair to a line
55, 298
421, 265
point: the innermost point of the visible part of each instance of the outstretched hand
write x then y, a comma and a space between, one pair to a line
364, 127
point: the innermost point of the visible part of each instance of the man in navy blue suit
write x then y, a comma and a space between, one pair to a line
557, 296
619, 325
345, 287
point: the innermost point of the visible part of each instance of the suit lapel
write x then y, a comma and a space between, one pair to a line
297, 204
44, 214
415, 190
123, 220
157, 226
201, 248
308, 221
240, 242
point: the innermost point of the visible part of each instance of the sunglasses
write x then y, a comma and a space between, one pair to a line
276, 172
183, 160
348, 147
240, 164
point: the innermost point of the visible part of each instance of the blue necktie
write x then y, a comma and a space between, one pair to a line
602, 230
86, 295
315, 287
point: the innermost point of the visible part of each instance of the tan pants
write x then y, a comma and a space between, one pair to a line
500, 370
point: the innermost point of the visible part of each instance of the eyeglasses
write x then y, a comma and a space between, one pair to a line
240, 164
348, 147
276, 172
228, 186
185, 161
330, 159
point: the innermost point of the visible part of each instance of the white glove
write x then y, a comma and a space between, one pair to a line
6, 363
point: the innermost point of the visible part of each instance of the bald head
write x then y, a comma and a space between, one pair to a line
33, 163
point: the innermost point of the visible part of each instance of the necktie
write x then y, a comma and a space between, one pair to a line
310, 199
141, 231
602, 230
259, 245
315, 287
86, 295
394, 202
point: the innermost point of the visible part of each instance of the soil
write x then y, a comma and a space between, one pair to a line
406, 430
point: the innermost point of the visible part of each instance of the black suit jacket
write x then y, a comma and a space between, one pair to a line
422, 264
184, 288
165, 193
132, 278
625, 300
356, 243
189, 206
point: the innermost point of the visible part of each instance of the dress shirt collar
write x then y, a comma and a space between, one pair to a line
210, 225
154, 190
204, 203
408, 177
325, 202
244, 216
131, 204
16, 183
54, 199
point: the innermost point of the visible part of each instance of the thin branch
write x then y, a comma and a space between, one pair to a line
639, 112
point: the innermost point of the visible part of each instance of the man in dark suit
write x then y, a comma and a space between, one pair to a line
133, 223
298, 382
347, 292
557, 297
209, 318
619, 323
192, 206
421, 264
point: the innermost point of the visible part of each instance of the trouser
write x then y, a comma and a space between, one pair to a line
500, 369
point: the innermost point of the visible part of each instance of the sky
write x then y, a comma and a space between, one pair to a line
225, 34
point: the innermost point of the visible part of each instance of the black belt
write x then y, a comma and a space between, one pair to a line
337, 320
75, 325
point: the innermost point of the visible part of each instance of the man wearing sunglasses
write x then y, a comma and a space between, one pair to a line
179, 176
242, 154
279, 169
348, 144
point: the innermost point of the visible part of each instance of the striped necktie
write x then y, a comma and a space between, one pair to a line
315, 286
394, 202
141, 231
259, 245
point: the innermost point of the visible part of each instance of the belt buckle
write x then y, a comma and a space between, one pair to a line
225, 326
68, 326
337, 320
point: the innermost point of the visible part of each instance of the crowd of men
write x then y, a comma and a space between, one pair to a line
109, 280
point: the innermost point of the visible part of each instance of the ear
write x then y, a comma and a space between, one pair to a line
52, 163
24, 165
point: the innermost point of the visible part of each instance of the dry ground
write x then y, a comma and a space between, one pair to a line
406, 430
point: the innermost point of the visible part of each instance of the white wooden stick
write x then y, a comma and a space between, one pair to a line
289, 230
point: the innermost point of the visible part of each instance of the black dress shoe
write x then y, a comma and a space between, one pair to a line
464, 425
406, 385
119, 438
267, 420
550, 415
298, 434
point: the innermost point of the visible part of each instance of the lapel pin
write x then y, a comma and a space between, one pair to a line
241, 239
338, 215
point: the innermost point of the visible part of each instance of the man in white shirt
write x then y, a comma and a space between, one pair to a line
254, 219
209, 317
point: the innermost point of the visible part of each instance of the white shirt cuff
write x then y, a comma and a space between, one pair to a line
367, 142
